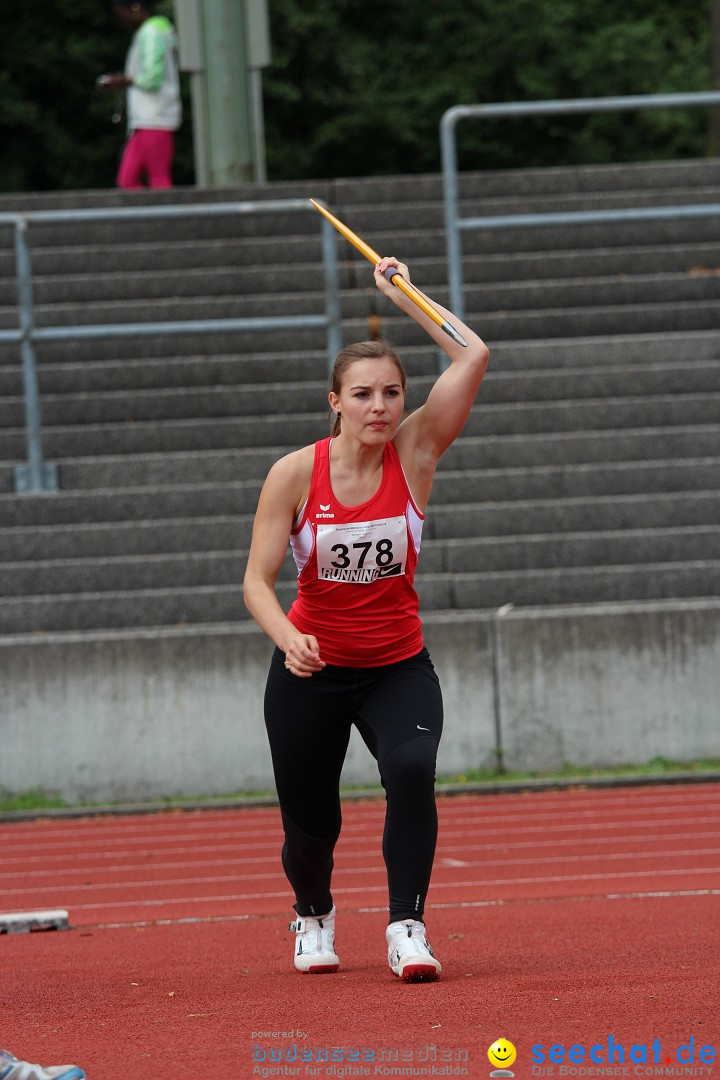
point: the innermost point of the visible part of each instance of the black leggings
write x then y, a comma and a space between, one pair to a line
398, 711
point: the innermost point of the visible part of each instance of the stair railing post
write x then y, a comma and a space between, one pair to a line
332, 292
36, 476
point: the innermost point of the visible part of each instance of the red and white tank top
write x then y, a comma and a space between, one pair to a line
356, 567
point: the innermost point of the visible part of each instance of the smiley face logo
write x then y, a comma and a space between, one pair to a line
502, 1054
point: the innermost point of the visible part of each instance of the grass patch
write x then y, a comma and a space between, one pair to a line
34, 799
658, 766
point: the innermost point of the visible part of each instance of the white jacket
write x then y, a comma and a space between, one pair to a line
153, 100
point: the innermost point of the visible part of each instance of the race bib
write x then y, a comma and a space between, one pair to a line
363, 551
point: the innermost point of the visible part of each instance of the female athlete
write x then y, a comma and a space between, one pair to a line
350, 650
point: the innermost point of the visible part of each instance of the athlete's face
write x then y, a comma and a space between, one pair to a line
371, 400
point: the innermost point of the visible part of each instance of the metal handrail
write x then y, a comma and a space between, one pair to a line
39, 476
454, 223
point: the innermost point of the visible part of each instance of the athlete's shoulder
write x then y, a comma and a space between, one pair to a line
289, 480
298, 463
292, 473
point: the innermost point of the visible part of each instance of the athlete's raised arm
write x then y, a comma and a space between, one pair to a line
427, 433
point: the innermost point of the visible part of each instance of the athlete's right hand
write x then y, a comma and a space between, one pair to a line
302, 656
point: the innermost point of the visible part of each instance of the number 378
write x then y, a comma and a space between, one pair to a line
383, 554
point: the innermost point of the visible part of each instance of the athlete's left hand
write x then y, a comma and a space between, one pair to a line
382, 282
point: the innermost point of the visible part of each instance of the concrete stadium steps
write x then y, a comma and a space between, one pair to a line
257, 265
492, 421
232, 396
588, 470
575, 514
178, 281
235, 399
507, 325
505, 454
209, 604
111, 539
583, 447
565, 298
537, 359
192, 568
476, 487
390, 213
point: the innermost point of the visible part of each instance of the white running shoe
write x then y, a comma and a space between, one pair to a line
13, 1069
409, 954
315, 943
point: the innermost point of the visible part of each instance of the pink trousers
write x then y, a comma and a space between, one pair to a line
147, 153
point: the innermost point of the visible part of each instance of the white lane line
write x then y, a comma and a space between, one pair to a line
553, 879
209, 849
441, 862
656, 894
456, 906
482, 829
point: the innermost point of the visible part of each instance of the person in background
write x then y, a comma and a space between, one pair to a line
152, 84
13, 1069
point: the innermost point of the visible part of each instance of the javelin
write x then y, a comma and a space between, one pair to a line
392, 275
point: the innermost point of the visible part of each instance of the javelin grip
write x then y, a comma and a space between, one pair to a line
391, 272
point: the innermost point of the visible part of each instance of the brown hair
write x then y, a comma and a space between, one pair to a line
361, 350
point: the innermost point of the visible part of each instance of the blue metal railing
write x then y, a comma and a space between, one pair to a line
455, 224
39, 476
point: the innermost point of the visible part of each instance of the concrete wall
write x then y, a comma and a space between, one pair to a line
126, 716
611, 685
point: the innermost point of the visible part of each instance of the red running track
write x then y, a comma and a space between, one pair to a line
563, 917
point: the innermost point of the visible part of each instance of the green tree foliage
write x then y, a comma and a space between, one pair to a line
358, 89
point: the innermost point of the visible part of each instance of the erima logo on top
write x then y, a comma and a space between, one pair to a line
324, 514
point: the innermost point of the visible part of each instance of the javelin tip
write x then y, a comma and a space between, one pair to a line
452, 332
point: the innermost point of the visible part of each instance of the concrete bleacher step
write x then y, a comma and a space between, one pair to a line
582, 447
95, 540
475, 487
548, 309
508, 325
575, 514
227, 430
478, 590
505, 453
549, 482
387, 212
121, 573
511, 518
308, 374
659, 175
126, 572
587, 585
559, 550
131, 504
538, 360
234, 266
236, 399
178, 281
